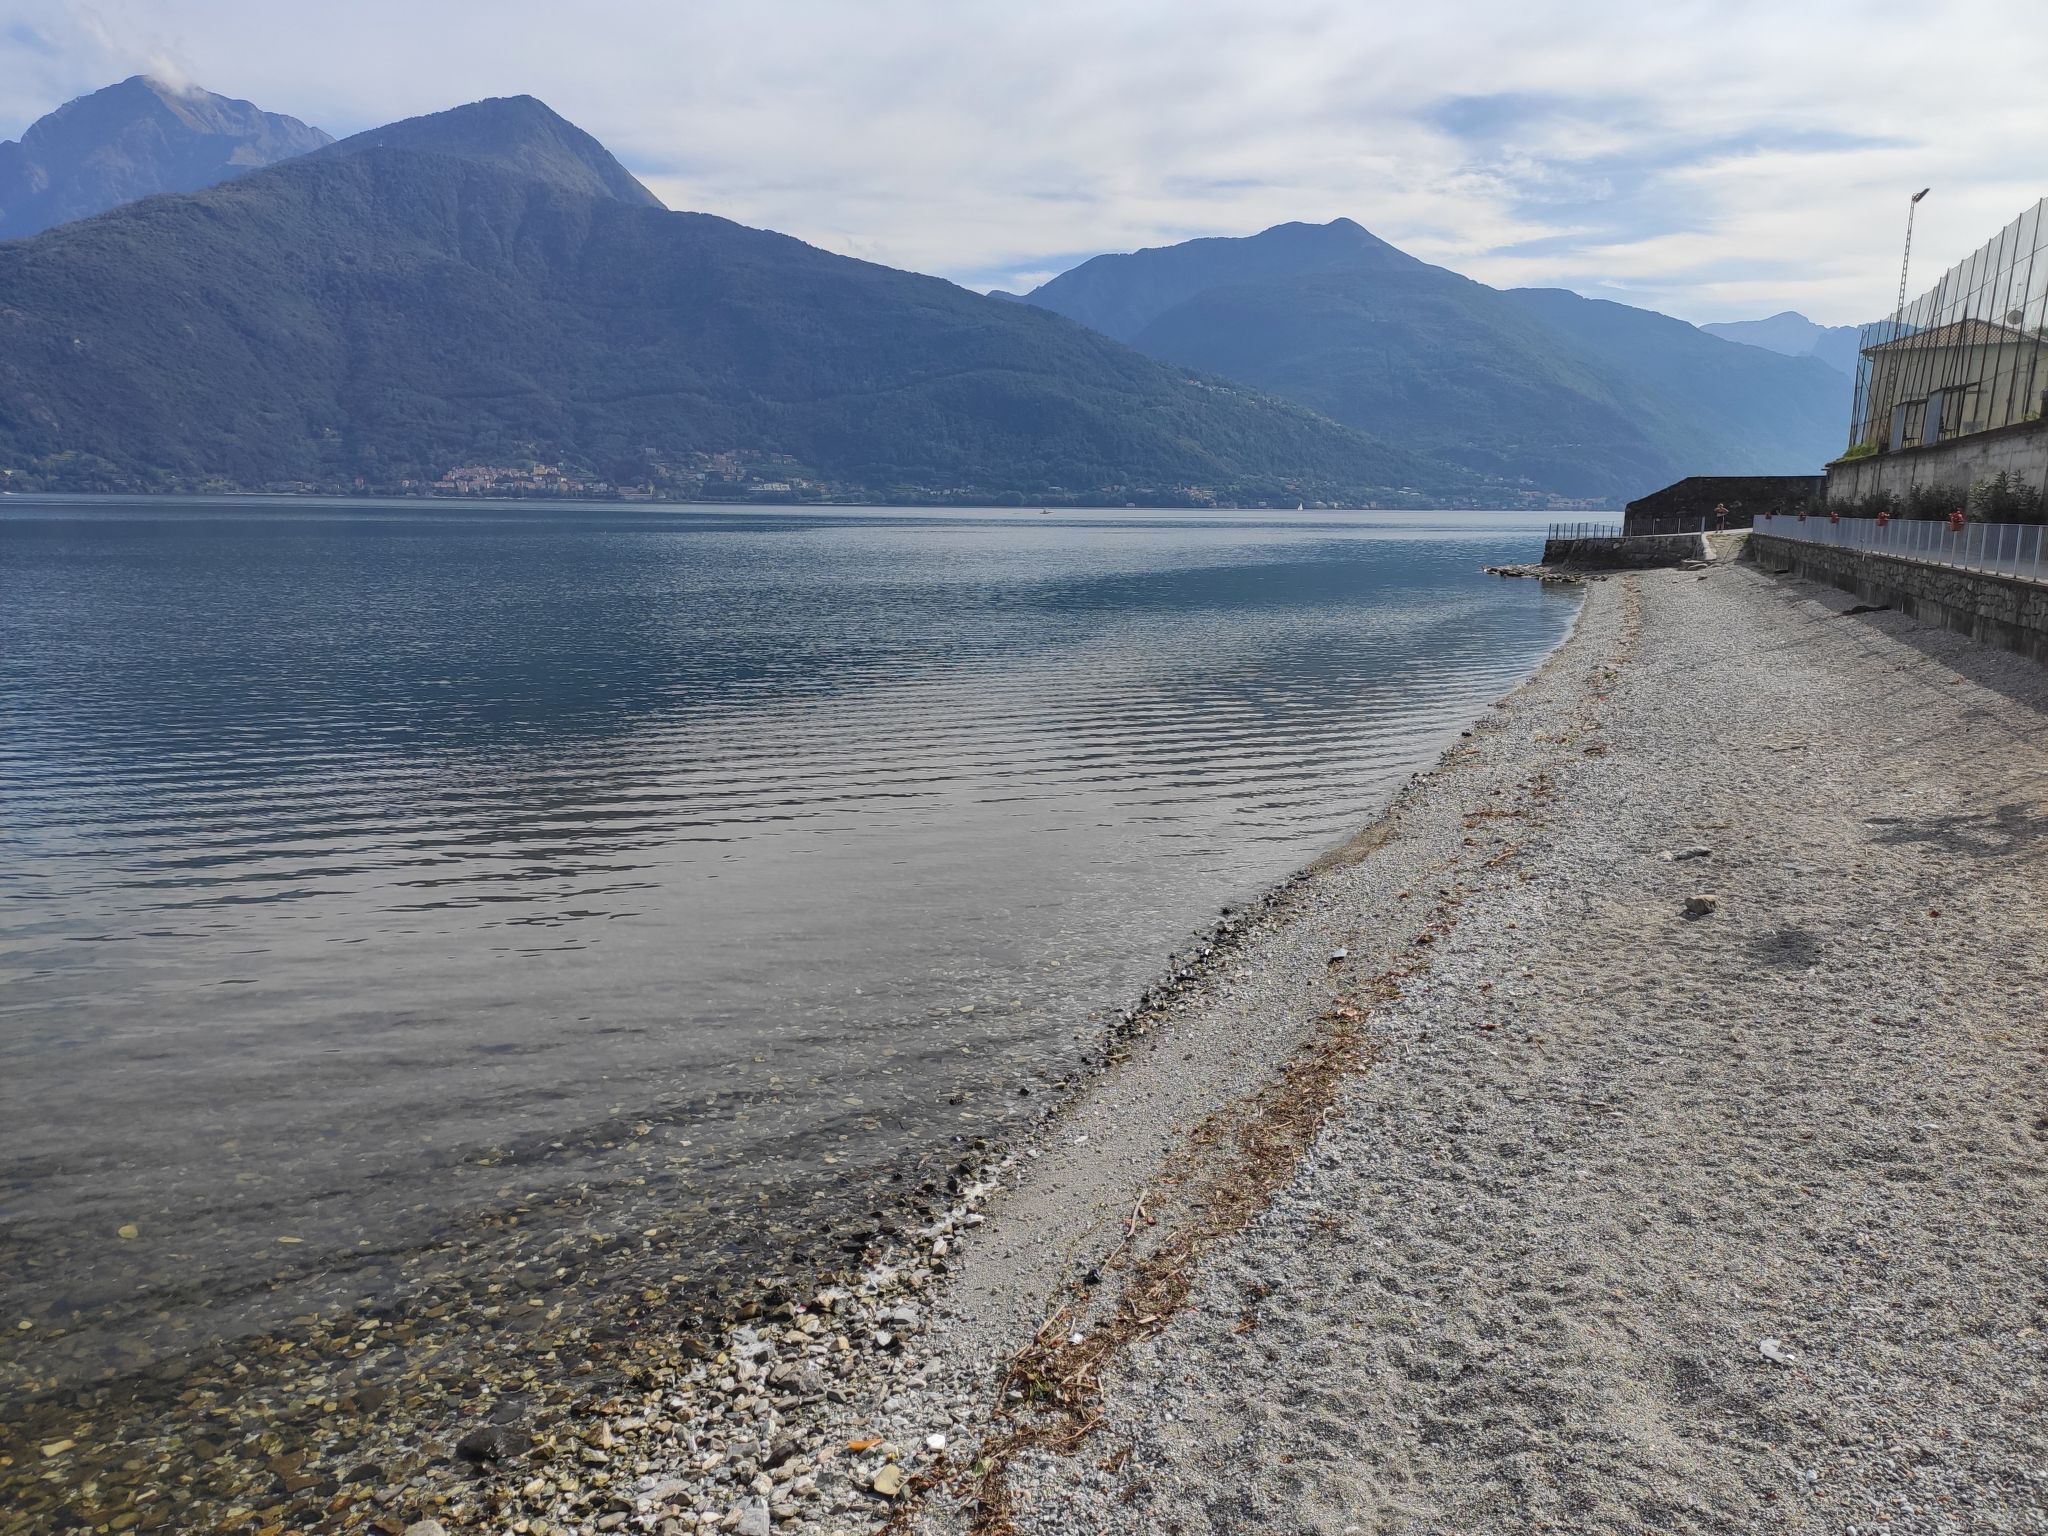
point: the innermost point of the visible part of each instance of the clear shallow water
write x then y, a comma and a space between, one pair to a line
367, 871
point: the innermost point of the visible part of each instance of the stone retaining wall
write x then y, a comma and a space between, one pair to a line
1996, 610
1624, 554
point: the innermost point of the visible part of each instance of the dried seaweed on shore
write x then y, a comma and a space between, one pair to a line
1231, 1166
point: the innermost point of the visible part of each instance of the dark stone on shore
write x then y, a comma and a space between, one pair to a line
510, 1410
492, 1443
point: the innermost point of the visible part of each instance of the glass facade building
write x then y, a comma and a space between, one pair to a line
1969, 355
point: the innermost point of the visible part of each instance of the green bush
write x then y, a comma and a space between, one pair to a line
2005, 498
1859, 451
1932, 500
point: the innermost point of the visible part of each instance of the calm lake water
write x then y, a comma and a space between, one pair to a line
368, 870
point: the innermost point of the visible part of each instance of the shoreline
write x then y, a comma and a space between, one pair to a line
407, 499
1253, 1232
797, 1423
1619, 1215
1463, 1180
363, 1451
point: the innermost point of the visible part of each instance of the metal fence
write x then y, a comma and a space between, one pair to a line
1969, 355
1687, 522
2003, 549
1584, 531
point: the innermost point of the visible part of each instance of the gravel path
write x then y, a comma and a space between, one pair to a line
1638, 1221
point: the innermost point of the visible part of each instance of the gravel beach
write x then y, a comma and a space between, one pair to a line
1618, 1216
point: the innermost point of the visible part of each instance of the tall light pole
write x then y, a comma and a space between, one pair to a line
1906, 262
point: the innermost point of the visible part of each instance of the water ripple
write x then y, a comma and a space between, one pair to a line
341, 851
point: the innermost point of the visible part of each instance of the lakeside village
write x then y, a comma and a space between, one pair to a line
733, 476
729, 476
782, 483
778, 479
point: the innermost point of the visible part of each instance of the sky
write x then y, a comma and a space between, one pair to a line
1713, 161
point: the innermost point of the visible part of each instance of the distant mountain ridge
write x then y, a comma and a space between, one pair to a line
486, 287
1120, 294
518, 134
1544, 388
488, 291
1792, 334
136, 139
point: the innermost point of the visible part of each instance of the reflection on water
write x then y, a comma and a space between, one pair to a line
690, 864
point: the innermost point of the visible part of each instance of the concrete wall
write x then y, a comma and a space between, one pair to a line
1956, 465
1996, 610
1623, 554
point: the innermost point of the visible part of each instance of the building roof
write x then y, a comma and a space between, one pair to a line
1970, 332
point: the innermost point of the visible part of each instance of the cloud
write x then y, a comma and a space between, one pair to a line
23, 38
1704, 159
74, 47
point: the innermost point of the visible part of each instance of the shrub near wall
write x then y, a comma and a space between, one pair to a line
2005, 498
2000, 498
1934, 500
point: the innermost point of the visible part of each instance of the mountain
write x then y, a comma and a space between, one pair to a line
1121, 295
1792, 334
519, 134
1692, 393
1567, 395
486, 287
133, 140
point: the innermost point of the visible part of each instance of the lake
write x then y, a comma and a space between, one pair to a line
387, 889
